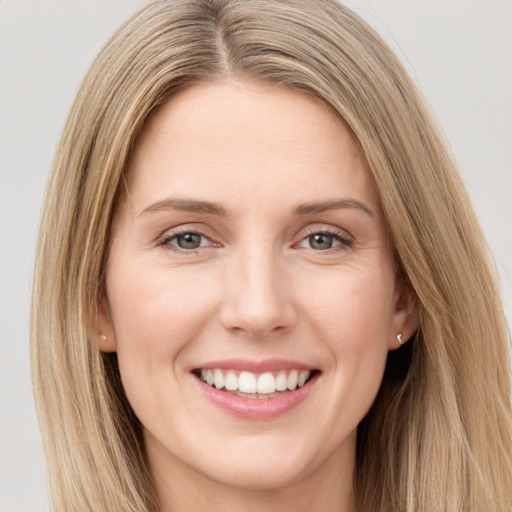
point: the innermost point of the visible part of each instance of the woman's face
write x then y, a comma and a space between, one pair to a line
249, 250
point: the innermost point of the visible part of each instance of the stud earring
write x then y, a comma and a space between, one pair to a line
399, 338
102, 337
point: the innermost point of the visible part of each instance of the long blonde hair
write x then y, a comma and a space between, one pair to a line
438, 437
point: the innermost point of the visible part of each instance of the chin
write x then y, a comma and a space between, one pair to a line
258, 474
248, 461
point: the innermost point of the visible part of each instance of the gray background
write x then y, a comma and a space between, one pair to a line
458, 51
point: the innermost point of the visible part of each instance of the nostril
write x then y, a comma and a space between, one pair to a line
258, 329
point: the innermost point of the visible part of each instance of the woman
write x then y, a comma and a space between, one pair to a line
213, 342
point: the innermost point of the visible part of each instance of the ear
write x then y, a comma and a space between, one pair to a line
104, 334
406, 314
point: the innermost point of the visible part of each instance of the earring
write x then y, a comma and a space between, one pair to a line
399, 338
102, 337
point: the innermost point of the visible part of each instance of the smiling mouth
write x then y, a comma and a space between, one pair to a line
251, 385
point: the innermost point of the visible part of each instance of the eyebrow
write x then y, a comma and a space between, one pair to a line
309, 208
188, 205
207, 207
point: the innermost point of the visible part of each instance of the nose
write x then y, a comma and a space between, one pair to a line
258, 299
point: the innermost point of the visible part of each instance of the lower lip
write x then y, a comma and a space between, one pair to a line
254, 408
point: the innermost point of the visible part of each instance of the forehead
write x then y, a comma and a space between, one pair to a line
241, 136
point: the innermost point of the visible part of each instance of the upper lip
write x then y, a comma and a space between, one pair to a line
260, 366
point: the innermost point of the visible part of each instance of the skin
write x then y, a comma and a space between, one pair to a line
257, 287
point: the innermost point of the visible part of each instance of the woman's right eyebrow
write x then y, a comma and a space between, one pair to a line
188, 205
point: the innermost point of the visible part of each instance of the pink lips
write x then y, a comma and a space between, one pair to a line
251, 408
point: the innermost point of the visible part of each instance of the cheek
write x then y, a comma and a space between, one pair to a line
353, 308
156, 314
352, 313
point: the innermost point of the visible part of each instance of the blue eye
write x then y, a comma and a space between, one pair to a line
186, 241
324, 241
321, 241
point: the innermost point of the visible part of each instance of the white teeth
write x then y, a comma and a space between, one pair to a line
281, 381
293, 379
247, 382
219, 379
303, 377
266, 383
258, 386
231, 381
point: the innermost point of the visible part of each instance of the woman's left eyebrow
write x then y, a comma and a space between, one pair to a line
310, 208
188, 205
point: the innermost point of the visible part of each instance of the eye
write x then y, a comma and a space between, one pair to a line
186, 241
323, 241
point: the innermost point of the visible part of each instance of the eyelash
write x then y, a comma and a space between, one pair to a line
166, 240
344, 241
